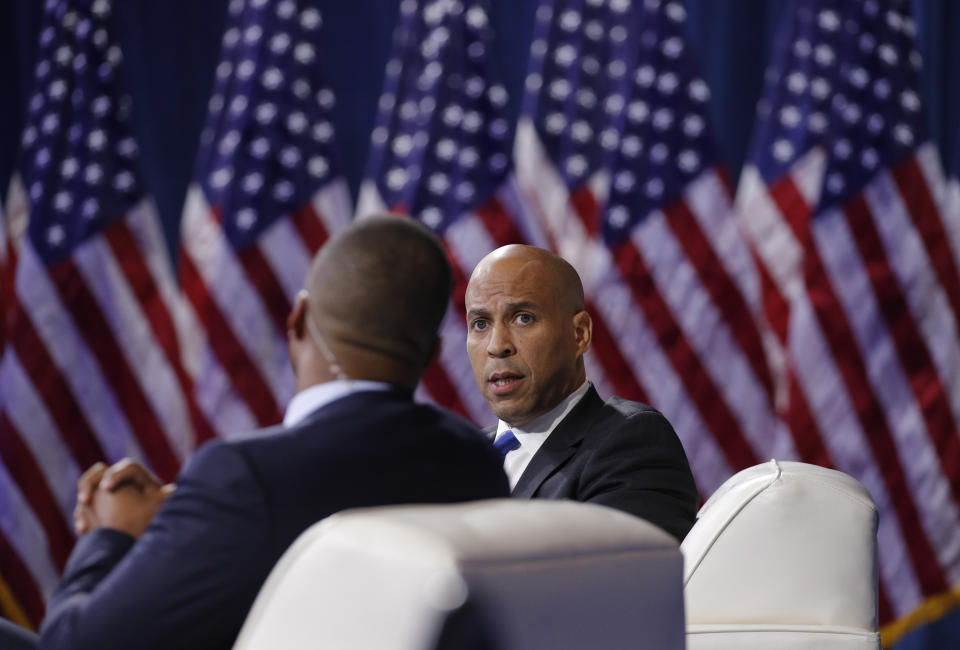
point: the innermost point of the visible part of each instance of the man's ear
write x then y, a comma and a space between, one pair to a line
582, 331
297, 320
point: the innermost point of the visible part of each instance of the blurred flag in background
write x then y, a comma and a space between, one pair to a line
440, 152
92, 365
615, 161
840, 201
265, 196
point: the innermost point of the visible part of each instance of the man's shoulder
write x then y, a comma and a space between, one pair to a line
629, 408
618, 417
370, 412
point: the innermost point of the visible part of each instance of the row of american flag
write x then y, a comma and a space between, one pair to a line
810, 313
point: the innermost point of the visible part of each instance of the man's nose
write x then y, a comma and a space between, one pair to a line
500, 344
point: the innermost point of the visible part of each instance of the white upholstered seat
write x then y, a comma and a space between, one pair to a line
535, 574
783, 555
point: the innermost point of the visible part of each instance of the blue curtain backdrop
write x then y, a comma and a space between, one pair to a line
171, 49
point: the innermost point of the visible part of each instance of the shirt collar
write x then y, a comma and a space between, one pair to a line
543, 425
319, 395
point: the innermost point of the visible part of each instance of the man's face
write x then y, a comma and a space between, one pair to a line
524, 344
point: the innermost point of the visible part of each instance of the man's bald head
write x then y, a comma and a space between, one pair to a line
558, 275
382, 285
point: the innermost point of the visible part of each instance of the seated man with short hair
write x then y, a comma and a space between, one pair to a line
527, 332
159, 567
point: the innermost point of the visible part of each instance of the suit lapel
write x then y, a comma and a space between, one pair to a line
560, 444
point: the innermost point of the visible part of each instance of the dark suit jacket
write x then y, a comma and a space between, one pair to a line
620, 454
192, 577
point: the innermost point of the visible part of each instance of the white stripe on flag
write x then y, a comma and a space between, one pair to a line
28, 414
25, 534
287, 256
469, 241
946, 194
332, 205
79, 368
369, 201
544, 192
512, 201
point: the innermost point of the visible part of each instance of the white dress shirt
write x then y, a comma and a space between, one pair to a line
532, 435
313, 397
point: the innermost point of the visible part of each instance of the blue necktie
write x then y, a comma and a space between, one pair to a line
506, 443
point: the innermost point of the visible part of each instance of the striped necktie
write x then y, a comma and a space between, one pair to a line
506, 443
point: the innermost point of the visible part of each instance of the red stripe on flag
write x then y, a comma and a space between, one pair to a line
499, 223
236, 363
843, 348
7, 274
28, 475
911, 348
261, 276
793, 207
54, 390
618, 372
138, 276
725, 294
885, 609
806, 433
585, 205
21, 582
726, 181
775, 306
96, 332
437, 381
713, 409
311, 228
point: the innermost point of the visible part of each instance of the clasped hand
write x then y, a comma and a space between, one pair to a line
124, 496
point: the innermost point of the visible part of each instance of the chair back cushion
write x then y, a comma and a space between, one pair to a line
784, 543
536, 574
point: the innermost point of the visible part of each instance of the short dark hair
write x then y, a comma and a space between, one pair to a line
384, 282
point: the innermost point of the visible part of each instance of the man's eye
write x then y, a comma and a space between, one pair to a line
523, 319
479, 325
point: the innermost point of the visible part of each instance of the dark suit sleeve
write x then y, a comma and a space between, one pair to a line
639, 466
187, 582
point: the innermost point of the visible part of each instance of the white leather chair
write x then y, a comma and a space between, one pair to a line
535, 574
783, 555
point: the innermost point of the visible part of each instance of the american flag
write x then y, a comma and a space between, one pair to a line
440, 152
615, 161
611, 94
840, 201
264, 198
92, 365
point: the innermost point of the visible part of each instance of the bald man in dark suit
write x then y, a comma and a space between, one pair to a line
527, 332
